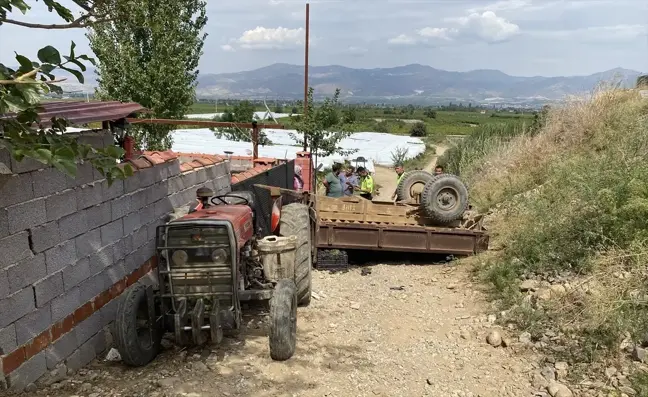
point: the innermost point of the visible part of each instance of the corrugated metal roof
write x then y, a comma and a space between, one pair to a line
80, 112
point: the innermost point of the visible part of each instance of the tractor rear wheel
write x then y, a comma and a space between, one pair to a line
283, 320
133, 329
411, 186
444, 199
295, 221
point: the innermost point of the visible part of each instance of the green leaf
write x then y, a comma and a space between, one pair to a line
128, 170
66, 166
43, 155
72, 46
25, 63
49, 54
76, 74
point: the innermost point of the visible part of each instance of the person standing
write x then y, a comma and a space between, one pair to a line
332, 181
351, 181
400, 171
366, 184
298, 181
438, 170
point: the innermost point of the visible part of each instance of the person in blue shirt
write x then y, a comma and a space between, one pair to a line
351, 180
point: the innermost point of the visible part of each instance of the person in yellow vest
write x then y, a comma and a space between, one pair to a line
366, 187
400, 171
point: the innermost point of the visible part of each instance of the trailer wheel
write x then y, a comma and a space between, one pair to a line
283, 320
412, 184
445, 198
295, 221
133, 329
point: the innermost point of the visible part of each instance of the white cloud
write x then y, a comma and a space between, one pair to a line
486, 26
607, 34
227, 47
270, 38
402, 39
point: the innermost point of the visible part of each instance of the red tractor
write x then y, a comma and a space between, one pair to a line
210, 260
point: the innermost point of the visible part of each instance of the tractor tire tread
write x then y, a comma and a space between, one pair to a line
428, 198
296, 218
410, 178
283, 321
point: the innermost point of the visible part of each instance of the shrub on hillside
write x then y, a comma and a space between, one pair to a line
418, 130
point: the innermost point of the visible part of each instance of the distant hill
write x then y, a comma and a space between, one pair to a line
410, 83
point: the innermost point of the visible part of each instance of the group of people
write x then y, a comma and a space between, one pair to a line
345, 181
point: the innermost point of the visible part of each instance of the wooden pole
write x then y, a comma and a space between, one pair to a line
306, 69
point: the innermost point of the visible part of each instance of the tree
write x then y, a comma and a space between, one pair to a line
21, 91
148, 53
349, 115
242, 112
321, 128
430, 113
419, 130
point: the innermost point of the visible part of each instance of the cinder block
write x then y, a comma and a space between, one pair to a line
113, 191
27, 164
8, 339
93, 139
109, 311
138, 199
131, 222
48, 181
14, 249
61, 349
84, 176
122, 248
4, 284
89, 195
201, 176
173, 168
86, 353
115, 273
73, 225
74, 274
163, 207
26, 272
33, 324
176, 200
190, 178
61, 204
98, 215
102, 259
65, 304
15, 189
4, 223
132, 183
88, 327
26, 215
60, 256
97, 342
131, 262
88, 243
112, 232
93, 287
120, 207
147, 214
48, 288
45, 236
175, 184
147, 176
139, 237
27, 373
155, 193
16, 305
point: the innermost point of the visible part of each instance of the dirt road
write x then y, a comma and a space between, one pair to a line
386, 177
402, 330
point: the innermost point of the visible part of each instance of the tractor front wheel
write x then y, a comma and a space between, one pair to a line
137, 338
283, 320
295, 221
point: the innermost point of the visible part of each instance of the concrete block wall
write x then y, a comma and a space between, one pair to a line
70, 246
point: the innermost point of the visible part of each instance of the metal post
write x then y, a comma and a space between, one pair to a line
255, 141
306, 69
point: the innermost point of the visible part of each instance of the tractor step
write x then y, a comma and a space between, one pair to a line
332, 259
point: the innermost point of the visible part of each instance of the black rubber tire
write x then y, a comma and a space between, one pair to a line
444, 184
134, 349
411, 178
295, 221
283, 320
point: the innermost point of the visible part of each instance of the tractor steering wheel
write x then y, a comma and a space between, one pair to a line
222, 200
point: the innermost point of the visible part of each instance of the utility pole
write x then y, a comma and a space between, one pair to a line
306, 70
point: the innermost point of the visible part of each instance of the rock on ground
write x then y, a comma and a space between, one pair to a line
413, 341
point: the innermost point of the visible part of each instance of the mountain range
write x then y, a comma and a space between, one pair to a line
403, 84
409, 83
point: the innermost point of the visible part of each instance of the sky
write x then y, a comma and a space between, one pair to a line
518, 37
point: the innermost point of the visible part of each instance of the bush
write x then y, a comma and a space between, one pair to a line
418, 130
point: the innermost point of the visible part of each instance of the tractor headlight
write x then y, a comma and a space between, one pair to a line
180, 257
219, 255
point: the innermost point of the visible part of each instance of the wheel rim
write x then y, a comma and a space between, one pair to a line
447, 199
143, 326
416, 190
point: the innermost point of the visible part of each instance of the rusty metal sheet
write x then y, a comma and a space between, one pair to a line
401, 238
80, 112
